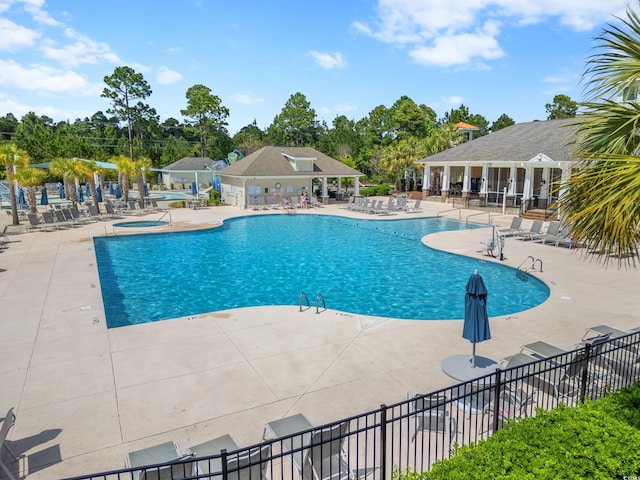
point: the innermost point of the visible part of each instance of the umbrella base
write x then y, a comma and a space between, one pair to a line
460, 367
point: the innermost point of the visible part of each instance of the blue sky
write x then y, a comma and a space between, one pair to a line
346, 56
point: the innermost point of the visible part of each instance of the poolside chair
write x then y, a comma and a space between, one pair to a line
61, 220
251, 465
415, 208
4, 238
315, 202
430, 414
315, 454
36, 223
514, 229
160, 462
553, 229
513, 402
7, 422
489, 246
536, 229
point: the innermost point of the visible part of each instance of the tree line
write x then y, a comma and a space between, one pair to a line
381, 145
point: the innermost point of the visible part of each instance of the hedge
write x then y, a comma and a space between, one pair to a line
596, 440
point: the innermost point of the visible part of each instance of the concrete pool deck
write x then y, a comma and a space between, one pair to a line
85, 395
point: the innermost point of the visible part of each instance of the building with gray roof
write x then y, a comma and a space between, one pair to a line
521, 165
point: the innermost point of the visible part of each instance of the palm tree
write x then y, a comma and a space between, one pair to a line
87, 170
125, 171
139, 169
68, 170
601, 200
13, 157
31, 178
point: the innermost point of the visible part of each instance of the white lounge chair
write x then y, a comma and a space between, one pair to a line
8, 422
514, 229
251, 465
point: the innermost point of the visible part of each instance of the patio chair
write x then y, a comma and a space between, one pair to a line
513, 402
430, 414
315, 454
3, 234
36, 223
251, 465
160, 462
489, 246
514, 228
535, 229
415, 208
8, 422
553, 229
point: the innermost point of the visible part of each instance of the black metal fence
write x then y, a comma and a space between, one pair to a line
417, 432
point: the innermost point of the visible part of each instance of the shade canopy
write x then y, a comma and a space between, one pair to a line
476, 321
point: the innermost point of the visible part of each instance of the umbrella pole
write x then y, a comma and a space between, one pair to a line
473, 356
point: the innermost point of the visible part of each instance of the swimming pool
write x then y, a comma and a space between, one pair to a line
370, 267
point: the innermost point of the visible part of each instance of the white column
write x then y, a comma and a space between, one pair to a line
446, 178
356, 189
485, 181
512, 181
544, 188
466, 179
325, 190
527, 190
339, 184
426, 178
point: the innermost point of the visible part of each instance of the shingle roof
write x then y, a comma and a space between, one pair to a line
190, 163
520, 142
270, 162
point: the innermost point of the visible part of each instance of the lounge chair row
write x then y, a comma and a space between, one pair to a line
277, 202
315, 454
561, 371
379, 207
556, 234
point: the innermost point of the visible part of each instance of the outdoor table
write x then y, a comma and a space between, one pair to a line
459, 367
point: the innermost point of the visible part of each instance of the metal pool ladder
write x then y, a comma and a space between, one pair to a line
319, 298
524, 268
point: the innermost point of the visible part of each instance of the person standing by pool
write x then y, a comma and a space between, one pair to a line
305, 200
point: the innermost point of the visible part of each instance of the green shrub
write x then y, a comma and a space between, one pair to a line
178, 204
596, 440
376, 190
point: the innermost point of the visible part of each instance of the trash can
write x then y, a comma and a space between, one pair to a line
535, 201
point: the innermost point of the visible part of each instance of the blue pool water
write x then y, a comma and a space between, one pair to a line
370, 267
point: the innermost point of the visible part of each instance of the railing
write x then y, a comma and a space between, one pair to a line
164, 215
415, 433
306, 299
479, 213
451, 210
320, 299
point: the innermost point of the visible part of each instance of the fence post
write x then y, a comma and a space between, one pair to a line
585, 371
496, 402
383, 441
225, 473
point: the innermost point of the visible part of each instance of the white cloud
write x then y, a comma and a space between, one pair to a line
461, 49
246, 98
174, 50
453, 101
328, 60
459, 32
16, 36
82, 50
44, 80
166, 76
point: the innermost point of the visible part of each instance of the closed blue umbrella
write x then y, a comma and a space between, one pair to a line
61, 190
111, 189
146, 190
194, 188
80, 194
87, 192
476, 320
98, 194
44, 198
21, 200
118, 192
